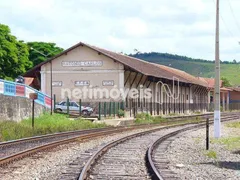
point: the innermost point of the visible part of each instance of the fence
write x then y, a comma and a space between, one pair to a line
100, 109
132, 108
9, 88
165, 108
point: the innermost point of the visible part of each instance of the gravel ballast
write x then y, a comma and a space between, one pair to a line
188, 156
56, 163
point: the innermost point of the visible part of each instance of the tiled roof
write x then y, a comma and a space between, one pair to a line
210, 81
146, 68
152, 69
234, 88
182, 75
225, 89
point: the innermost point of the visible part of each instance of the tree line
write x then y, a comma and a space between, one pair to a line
17, 56
153, 55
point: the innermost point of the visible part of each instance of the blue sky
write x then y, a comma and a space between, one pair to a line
184, 27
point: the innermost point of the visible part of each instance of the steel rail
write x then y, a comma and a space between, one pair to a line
19, 155
156, 174
68, 133
101, 151
83, 134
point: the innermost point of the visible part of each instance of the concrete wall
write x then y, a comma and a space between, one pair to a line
17, 108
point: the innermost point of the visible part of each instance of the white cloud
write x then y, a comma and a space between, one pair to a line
118, 43
135, 27
185, 27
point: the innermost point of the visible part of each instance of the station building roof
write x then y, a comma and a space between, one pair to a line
234, 88
138, 65
210, 82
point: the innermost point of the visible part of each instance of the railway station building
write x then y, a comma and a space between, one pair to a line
84, 66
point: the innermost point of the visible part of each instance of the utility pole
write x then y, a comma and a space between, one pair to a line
217, 113
51, 90
51, 78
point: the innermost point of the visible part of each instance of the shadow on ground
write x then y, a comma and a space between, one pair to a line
236, 152
226, 164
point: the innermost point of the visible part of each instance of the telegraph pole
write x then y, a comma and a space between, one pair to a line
217, 113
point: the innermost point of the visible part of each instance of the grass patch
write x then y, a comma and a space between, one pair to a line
145, 118
45, 124
231, 143
233, 125
211, 154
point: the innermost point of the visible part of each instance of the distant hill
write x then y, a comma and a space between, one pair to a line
196, 67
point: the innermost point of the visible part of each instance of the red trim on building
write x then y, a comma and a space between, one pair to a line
20, 90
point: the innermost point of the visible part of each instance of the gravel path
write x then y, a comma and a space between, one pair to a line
187, 156
55, 163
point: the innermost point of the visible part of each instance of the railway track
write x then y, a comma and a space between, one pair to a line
125, 158
157, 161
17, 149
12, 151
30, 146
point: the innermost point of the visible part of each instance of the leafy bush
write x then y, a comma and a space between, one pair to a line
143, 118
121, 113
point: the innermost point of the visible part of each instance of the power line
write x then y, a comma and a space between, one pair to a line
238, 25
225, 24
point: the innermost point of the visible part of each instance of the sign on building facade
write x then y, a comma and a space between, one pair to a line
82, 83
108, 83
82, 63
57, 83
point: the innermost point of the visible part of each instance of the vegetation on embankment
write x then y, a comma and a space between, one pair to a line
196, 67
145, 118
231, 142
44, 124
234, 124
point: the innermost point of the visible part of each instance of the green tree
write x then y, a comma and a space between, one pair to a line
40, 51
226, 82
13, 55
